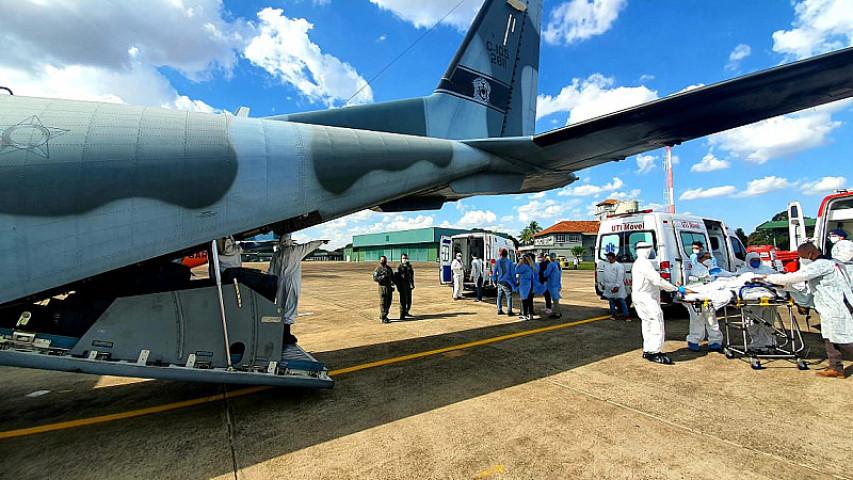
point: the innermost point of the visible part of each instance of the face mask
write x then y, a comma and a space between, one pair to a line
383, 263
805, 261
755, 264
652, 255
696, 251
834, 238
405, 260
707, 263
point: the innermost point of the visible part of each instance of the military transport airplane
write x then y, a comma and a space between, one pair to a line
96, 199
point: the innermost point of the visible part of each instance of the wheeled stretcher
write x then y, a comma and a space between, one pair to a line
745, 315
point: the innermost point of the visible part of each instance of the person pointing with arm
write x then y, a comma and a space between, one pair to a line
286, 264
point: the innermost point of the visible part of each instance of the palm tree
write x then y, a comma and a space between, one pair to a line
578, 252
534, 227
526, 236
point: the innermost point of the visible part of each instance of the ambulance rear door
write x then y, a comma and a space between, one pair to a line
796, 226
444, 258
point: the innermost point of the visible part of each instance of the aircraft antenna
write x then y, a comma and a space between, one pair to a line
405, 50
668, 193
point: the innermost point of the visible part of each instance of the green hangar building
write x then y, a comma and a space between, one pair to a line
420, 244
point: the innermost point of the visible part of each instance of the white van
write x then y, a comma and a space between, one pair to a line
486, 245
673, 236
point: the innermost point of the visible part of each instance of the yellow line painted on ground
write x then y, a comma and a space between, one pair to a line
247, 391
491, 471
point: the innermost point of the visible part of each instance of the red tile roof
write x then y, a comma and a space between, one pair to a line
571, 226
609, 201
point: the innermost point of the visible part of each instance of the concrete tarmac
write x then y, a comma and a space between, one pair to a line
571, 403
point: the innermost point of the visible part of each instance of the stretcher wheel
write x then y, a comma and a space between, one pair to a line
801, 364
729, 354
755, 363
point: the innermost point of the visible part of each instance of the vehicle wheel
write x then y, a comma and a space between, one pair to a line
755, 363
801, 364
729, 354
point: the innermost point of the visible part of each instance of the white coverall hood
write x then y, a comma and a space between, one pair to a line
760, 270
843, 251
285, 240
644, 250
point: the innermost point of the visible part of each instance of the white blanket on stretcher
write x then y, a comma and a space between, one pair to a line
723, 291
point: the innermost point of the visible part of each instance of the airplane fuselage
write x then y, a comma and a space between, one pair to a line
88, 187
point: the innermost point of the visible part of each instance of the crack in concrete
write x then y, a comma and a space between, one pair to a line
229, 425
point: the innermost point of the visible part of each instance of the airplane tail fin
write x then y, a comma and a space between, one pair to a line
489, 89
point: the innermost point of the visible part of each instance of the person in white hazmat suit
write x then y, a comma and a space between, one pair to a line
760, 329
647, 284
703, 318
286, 264
229, 253
612, 284
830, 287
843, 252
458, 272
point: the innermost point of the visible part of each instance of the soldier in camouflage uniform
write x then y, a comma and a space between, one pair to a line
405, 279
384, 276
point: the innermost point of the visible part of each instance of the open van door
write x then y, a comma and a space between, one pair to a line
444, 259
796, 225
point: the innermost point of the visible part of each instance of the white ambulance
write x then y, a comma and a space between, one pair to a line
486, 245
836, 211
672, 236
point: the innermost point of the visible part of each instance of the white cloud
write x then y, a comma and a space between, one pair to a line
538, 195
656, 207
710, 163
707, 193
477, 218
578, 20
543, 210
739, 53
765, 185
112, 52
824, 185
690, 87
780, 136
632, 195
590, 98
645, 164
820, 26
426, 14
283, 48
587, 190
382, 38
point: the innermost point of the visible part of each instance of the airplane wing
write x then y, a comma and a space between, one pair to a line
683, 116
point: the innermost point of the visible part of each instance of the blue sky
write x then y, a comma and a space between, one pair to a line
596, 57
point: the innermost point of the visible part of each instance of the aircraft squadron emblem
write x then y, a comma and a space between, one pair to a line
482, 89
